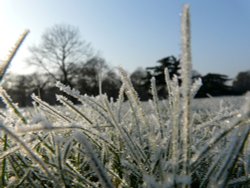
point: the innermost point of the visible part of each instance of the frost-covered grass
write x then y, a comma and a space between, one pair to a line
179, 142
77, 145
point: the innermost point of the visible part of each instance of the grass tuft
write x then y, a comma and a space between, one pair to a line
129, 143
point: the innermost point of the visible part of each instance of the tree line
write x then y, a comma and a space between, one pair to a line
63, 56
213, 84
85, 79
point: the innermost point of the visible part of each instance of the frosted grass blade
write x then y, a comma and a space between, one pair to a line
12, 53
186, 69
94, 161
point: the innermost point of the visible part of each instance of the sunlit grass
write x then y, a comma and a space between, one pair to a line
99, 143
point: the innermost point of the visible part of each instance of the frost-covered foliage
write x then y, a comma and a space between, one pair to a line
102, 143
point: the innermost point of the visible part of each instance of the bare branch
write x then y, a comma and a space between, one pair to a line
60, 47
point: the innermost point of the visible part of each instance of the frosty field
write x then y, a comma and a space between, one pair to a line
123, 144
179, 142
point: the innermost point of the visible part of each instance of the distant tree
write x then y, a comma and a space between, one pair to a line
140, 79
173, 65
111, 84
170, 62
89, 75
61, 48
137, 77
214, 85
19, 88
39, 83
242, 82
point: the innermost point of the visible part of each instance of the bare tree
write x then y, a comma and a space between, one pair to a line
61, 48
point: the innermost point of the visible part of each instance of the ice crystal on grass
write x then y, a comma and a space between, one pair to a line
94, 161
179, 142
186, 68
12, 53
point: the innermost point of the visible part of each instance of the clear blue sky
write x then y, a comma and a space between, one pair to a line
137, 33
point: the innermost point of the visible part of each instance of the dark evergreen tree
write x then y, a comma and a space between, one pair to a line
173, 65
214, 85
